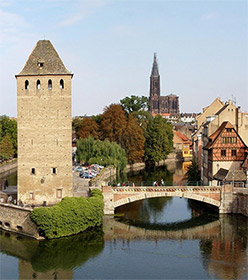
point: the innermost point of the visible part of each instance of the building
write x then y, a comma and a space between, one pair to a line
211, 119
161, 104
44, 128
225, 150
183, 144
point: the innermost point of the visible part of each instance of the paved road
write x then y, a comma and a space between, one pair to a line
80, 185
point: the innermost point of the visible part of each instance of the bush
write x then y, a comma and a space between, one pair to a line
70, 216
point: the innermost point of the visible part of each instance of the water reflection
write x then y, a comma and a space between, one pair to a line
222, 245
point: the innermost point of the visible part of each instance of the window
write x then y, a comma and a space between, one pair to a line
61, 83
228, 130
38, 84
26, 84
54, 170
31, 195
223, 153
33, 171
40, 64
59, 193
234, 153
228, 140
49, 84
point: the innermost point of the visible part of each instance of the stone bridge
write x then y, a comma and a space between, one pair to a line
223, 197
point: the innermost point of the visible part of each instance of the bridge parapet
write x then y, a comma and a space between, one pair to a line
117, 196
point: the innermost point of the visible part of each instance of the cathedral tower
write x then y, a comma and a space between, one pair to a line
44, 128
154, 87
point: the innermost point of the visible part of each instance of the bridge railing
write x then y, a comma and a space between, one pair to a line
154, 183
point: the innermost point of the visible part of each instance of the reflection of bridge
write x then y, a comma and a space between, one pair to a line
118, 230
222, 197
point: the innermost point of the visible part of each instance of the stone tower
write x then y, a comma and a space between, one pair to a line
44, 128
154, 87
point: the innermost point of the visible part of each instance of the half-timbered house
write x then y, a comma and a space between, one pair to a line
225, 149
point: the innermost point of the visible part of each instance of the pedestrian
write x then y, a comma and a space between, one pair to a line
154, 183
123, 184
10, 199
162, 182
133, 184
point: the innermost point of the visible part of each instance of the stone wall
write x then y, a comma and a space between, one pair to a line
17, 219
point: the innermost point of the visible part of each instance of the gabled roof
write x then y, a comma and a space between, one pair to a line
218, 132
44, 60
183, 137
222, 109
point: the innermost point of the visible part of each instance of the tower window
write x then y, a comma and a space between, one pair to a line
38, 84
61, 83
49, 84
54, 170
32, 171
26, 84
31, 195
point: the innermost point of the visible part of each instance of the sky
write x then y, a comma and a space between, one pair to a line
201, 46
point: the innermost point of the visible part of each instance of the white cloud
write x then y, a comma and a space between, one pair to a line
210, 16
82, 9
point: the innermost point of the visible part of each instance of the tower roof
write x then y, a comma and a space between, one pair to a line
155, 66
44, 60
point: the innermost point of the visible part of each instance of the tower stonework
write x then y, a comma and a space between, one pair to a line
44, 128
161, 104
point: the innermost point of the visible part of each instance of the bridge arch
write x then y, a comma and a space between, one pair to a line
142, 196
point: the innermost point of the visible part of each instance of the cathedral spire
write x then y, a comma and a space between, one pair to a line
155, 72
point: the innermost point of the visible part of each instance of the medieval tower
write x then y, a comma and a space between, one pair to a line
44, 128
161, 104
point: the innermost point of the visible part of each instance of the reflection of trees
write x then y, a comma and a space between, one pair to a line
142, 209
53, 255
151, 174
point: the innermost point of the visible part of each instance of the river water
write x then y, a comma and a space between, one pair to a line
158, 238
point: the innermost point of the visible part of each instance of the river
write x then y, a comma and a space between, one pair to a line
158, 238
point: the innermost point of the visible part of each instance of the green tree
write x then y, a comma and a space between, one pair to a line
134, 103
88, 127
9, 127
133, 140
6, 147
101, 152
159, 139
113, 121
143, 118
193, 173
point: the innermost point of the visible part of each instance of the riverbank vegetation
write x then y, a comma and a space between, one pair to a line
193, 174
8, 138
129, 124
70, 216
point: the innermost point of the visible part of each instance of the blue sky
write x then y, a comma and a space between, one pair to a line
201, 48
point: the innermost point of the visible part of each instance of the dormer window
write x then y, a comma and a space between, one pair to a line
49, 84
40, 64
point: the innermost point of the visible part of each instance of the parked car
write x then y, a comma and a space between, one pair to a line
85, 175
79, 169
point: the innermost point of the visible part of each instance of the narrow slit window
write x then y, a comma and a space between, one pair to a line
61, 84
31, 195
49, 84
59, 193
54, 170
26, 84
38, 84
32, 171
